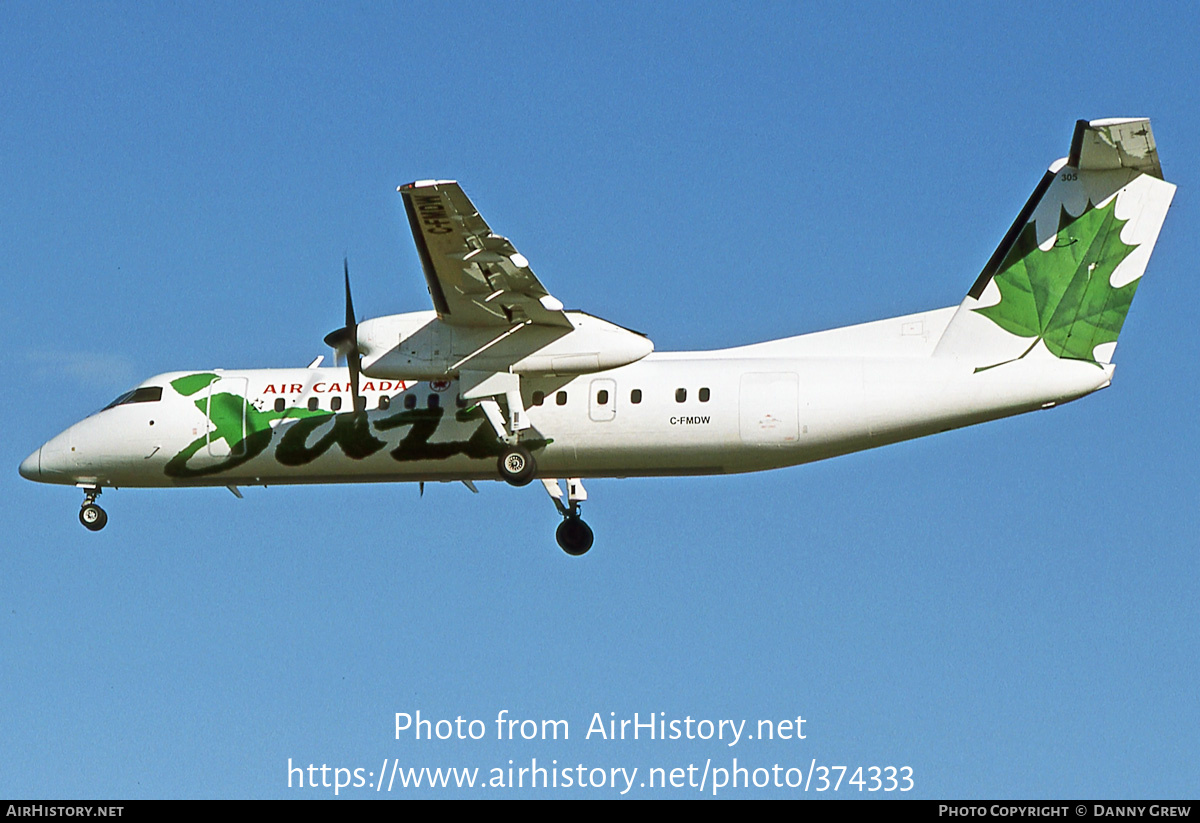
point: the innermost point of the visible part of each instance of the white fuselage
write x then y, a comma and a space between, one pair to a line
757, 407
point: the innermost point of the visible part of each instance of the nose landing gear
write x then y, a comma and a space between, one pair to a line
92, 516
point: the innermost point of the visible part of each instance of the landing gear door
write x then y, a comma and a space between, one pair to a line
226, 412
770, 408
602, 400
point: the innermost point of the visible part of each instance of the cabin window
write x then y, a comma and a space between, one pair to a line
410, 401
384, 401
635, 396
680, 395
539, 397
704, 395
313, 403
335, 403
602, 397
433, 401
279, 404
561, 398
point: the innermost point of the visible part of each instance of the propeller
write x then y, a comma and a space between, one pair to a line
345, 340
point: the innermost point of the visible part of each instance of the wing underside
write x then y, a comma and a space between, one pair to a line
476, 278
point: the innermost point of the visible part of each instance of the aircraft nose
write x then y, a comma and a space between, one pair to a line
31, 466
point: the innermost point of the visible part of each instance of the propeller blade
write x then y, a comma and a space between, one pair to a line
350, 323
344, 342
355, 364
353, 358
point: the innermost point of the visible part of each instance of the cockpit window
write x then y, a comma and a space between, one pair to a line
146, 394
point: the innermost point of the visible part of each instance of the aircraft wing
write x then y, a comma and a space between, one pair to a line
476, 278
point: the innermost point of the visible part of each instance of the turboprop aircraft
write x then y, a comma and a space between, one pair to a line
500, 382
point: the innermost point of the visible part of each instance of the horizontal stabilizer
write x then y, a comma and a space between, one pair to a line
1117, 143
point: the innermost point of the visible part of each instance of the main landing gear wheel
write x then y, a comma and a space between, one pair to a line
517, 465
574, 536
93, 517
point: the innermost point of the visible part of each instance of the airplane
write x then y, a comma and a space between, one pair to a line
499, 381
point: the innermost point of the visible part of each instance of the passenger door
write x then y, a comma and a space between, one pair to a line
226, 412
602, 400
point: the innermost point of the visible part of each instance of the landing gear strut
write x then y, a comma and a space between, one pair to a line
92, 516
516, 464
573, 535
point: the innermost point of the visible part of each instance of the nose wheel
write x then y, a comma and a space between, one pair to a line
92, 516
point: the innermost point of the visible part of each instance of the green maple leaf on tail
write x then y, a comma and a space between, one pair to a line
1063, 296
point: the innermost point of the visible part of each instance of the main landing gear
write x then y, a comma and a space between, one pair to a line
516, 465
92, 516
573, 535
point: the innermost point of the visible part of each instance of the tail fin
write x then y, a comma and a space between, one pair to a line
1063, 277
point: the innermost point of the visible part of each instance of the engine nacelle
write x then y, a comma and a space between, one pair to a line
419, 346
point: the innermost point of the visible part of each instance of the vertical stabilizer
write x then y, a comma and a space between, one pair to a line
1062, 279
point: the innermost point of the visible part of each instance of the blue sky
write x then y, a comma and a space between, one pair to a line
1009, 610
